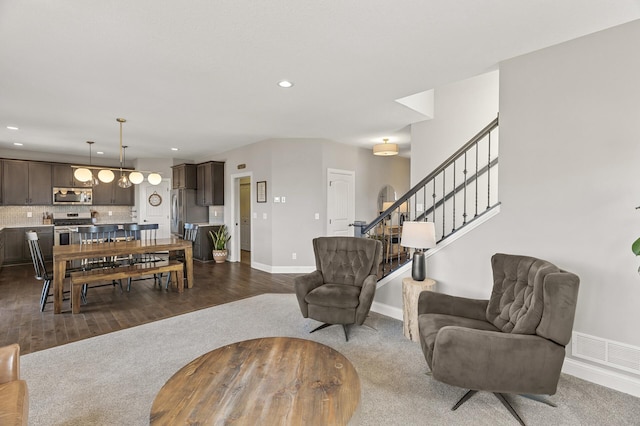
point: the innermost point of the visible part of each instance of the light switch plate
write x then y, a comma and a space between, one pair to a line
276, 199
317, 216
264, 216
283, 199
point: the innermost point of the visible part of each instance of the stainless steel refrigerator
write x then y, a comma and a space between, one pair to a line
185, 210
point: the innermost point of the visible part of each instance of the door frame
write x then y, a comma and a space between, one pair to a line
351, 173
234, 212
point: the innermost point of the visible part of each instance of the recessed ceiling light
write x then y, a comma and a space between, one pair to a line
100, 152
174, 149
285, 84
12, 128
17, 144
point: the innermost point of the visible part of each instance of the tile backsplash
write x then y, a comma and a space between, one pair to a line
18, 215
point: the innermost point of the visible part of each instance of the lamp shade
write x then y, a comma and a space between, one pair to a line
385, 149
136, 177
419, 235
106, 176
82, 174
154, 178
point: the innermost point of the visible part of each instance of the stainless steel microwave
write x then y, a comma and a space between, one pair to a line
72, 196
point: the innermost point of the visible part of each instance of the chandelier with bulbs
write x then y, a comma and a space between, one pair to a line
107, 175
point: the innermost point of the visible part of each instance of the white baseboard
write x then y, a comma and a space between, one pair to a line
283, 269
600, 376
388, 310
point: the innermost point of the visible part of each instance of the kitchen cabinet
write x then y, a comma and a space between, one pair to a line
203, 246
16, 248
210, 184
63, 177
26, 183
110, 194
184, 176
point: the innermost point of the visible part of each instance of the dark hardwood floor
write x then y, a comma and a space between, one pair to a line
109, 310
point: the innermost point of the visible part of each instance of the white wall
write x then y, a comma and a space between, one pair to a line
297, 169
569, 160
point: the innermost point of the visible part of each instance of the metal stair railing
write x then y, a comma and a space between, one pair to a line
453, 195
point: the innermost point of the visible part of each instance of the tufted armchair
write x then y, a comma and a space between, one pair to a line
341, 289
512, 343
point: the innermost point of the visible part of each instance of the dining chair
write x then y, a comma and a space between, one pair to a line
147, 232
190, 234
98, 234
40, 268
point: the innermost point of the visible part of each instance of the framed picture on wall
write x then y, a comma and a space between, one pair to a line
262, 191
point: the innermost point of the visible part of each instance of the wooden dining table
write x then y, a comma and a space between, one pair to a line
63, 254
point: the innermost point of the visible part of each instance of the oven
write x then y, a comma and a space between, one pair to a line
65, 227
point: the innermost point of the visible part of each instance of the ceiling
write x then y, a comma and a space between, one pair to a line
201, 75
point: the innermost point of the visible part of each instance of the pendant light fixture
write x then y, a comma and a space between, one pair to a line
124, 181
385, 148
83, 174
93, 181
107, 175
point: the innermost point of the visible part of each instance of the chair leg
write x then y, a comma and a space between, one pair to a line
129, 284
45, 294
464, 399
166, 287
83, 293
344, 327
508, 406
320, 327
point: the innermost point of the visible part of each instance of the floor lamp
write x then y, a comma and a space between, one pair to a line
419, 236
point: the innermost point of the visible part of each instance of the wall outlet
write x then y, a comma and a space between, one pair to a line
255, 215
110, 213
294, 256
264, 216
29, 214
317, 216
215, 213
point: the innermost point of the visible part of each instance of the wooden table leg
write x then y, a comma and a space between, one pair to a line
59, 269
188, 263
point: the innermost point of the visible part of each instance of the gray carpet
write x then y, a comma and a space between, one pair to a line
113, 379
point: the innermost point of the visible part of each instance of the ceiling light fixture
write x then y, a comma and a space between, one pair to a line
174, 149
12, 128
285, 84
106, 174
17, 144
85, 175
385, 148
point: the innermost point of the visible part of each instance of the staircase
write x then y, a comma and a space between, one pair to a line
456, 195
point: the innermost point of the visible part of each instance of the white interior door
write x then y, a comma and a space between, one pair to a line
156, 213
340, 202
245, 214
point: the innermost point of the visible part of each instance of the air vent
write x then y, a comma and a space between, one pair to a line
607, 352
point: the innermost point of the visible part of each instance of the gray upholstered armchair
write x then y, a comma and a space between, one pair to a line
341, 289
512, 343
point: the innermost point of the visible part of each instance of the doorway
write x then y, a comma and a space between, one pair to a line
155, 209
241, 250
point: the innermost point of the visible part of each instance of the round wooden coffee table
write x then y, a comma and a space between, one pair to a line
274, 380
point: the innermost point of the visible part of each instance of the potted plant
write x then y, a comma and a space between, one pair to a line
220, 239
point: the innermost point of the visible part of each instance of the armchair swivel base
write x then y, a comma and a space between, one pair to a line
344, 328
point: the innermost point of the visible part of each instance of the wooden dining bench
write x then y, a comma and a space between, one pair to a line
78, 279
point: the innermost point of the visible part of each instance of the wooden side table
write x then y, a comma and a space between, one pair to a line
411, 290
